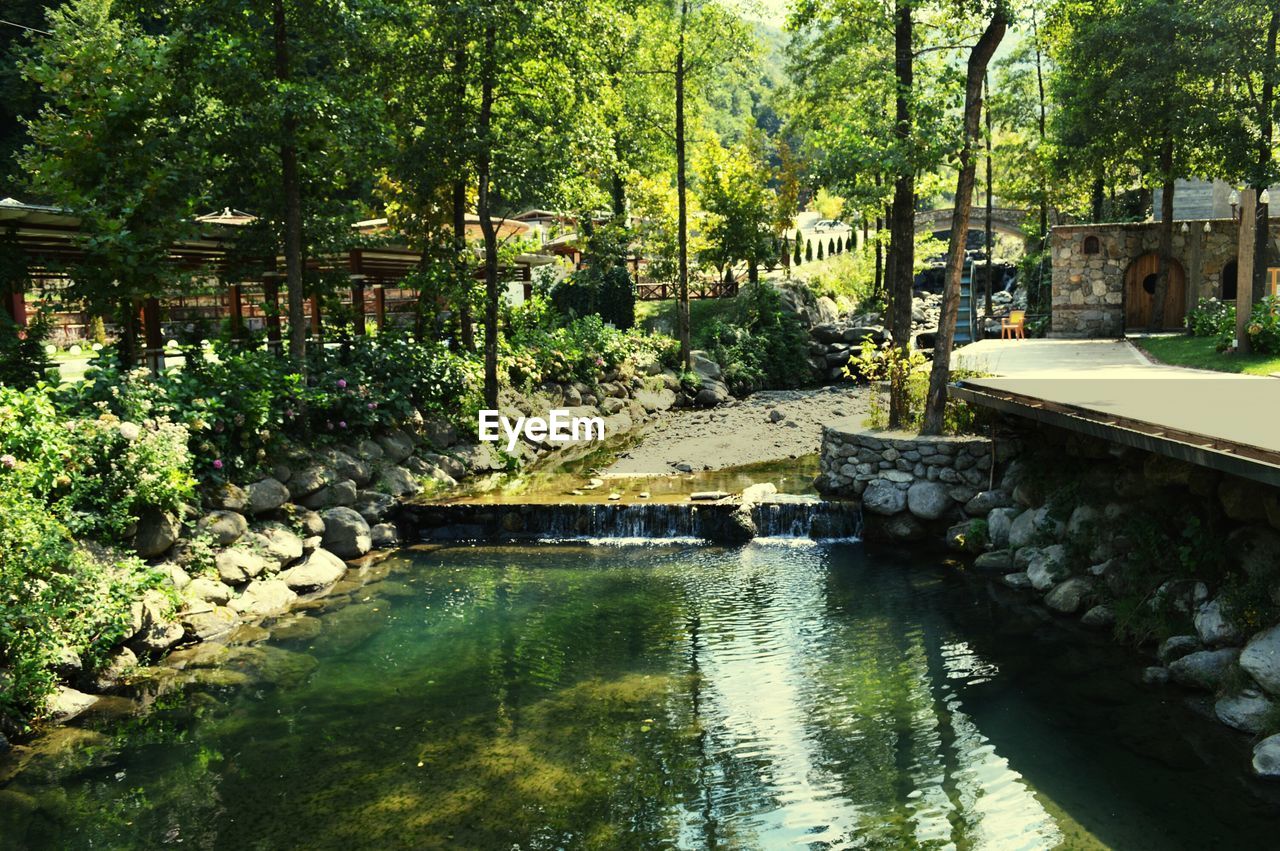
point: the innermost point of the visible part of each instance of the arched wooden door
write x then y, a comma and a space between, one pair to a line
1140, 288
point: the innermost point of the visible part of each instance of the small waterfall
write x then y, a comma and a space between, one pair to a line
779, 516
789, 516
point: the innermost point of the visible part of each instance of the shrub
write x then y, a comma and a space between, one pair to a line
760, 345
54, 598
23, 362
1264, 326
1212, 318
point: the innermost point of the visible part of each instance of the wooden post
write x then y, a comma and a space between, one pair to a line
357, 306
1195, 276
526, 276
356, 262
154, 339
237, 312
1244, 269
271, 307
15, 304
380, 305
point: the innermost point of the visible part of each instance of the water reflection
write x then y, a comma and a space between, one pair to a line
577, 697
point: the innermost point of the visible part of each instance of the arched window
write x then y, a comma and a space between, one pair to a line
1092, 245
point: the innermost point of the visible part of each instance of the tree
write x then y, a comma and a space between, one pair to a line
113, 144
741, 208
797, 258
979, 58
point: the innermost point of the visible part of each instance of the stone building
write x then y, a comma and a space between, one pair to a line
1104, 274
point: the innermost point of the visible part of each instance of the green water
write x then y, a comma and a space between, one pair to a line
606, 697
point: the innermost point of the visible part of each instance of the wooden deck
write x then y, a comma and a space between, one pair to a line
1110, 390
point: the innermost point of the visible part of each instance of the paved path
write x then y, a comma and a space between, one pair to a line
1113, 377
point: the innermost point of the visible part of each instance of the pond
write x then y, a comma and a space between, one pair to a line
574, 696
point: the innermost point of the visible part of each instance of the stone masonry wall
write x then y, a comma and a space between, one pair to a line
1088, 289
907, 483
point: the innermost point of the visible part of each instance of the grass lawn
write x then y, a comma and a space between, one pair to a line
661, 315
1198, 352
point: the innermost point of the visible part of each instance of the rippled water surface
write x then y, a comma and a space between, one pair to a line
604, 697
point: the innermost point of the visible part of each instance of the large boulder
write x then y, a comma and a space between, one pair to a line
384, 536
228, 497
1249, 711
1047, 570
266, 495
263, 598
827, 311
1175, 647
704, 366
1066, 597
157, 532
1266, 757
66, 703
205, 590
239, 564
224, 527
884, 497
206, 620
396, 446
1261, 659
159, 630
278, 543
928, 500
310, 479
454, 467
1214, 627
1203, 669
1023, 530
1255, 550
985, 502
346, 533
338, 493
398, 481
999, 524
997, 561
902, 527
374, 506
317, 571
439, 433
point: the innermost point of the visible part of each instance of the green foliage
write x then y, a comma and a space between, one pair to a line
96, 472
741, 209
23, 362
1264, 326
54, 598
541, 346
1213, 318
243, 406
759, 345
604, 287
908, 370
797, 258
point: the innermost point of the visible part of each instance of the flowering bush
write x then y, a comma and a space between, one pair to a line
1213, 318
1264, 326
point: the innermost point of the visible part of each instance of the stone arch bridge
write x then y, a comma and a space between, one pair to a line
1007, 220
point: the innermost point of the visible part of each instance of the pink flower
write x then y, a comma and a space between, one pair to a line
342, 384
8, 461
217, 463
373, 406
342, 423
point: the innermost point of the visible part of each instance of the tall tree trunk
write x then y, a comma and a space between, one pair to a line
1044, 190
1096, 199
990, 237
1161, 294
462, 265
292, 189
682, 284
1262, 178
979, 57
902, 226
483, 166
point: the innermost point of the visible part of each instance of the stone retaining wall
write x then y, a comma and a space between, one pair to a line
1179, 558
908, 483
